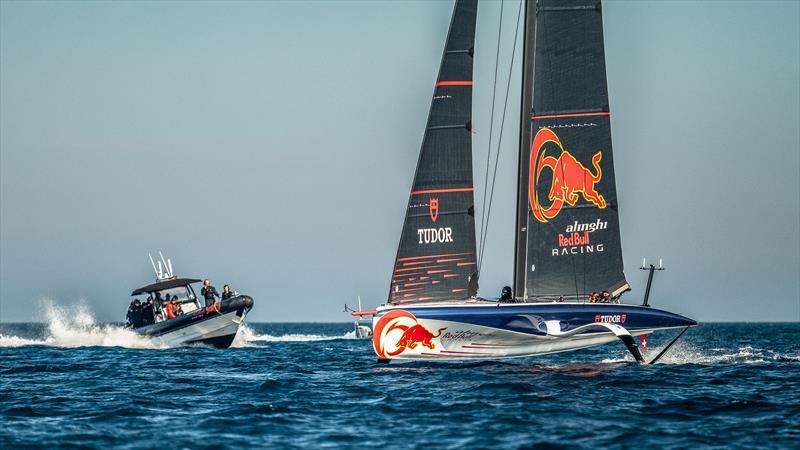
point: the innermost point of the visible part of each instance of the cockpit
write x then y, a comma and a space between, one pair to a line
184, 297
164, 291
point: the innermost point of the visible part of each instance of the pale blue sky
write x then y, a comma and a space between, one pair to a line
297, 126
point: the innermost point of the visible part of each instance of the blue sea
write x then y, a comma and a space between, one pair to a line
76, 383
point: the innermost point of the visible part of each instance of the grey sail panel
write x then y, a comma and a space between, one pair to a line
572, 241
436, 256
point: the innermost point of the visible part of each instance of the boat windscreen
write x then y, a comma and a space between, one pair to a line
180, 293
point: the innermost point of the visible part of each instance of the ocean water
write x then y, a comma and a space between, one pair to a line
72, 382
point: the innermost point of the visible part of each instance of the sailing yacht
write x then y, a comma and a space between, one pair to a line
567, 238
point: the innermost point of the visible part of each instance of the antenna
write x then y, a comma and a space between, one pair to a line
166, 266
652, 268
163, 269
153, 264
359, 303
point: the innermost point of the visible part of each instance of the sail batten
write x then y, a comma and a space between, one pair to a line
436, 256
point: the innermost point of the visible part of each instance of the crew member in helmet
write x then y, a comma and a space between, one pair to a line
506, 295
147, 312
209, 292
134, 313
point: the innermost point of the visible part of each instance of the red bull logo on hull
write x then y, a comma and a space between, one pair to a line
398, 331
569, 177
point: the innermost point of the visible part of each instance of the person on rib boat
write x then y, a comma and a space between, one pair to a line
226, 292
209, 292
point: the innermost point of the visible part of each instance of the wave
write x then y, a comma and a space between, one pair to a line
686, 353
247, 337
75, 326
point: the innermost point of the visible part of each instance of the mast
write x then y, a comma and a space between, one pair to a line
526, 107
436, 257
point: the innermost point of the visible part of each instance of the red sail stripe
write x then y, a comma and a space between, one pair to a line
558, 116
439, 191
457, 290
431, 256
409, 274
454, 83
438, 271
406, 290
450, 275
466, 264
448, 260
418, 268
414, 263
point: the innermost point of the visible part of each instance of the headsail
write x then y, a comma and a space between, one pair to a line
436, 257
568, 241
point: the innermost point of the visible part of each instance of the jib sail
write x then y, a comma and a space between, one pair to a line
436, 257
568, 241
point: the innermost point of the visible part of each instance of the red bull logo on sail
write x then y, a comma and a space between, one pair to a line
569, 177
398, 331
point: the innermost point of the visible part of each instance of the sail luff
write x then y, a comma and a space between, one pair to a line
526, 107
436, 255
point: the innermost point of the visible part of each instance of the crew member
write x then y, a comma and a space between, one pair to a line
147, 312
209, 292
606, 296
176, 308
170, 308
130, 315
506, 295
226, 292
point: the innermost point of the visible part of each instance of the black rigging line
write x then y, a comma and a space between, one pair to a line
491, 129
502, 125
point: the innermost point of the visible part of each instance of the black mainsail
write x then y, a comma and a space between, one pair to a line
567, 235
436, 256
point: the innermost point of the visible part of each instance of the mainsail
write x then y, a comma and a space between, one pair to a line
568, 241
436, 257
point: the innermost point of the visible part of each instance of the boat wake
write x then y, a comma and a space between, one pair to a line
75, 326
686, 353
247, 337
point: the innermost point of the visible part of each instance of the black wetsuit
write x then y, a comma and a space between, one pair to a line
209, 293
129, 316
136, 316
227, 295
147, 314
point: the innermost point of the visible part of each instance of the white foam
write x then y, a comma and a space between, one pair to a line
75, 326
686, 353
246, 337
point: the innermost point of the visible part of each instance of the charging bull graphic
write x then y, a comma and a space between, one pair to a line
418, 334
570, 177
398, 331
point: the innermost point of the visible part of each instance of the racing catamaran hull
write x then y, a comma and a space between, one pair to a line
490, 330
215, 325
